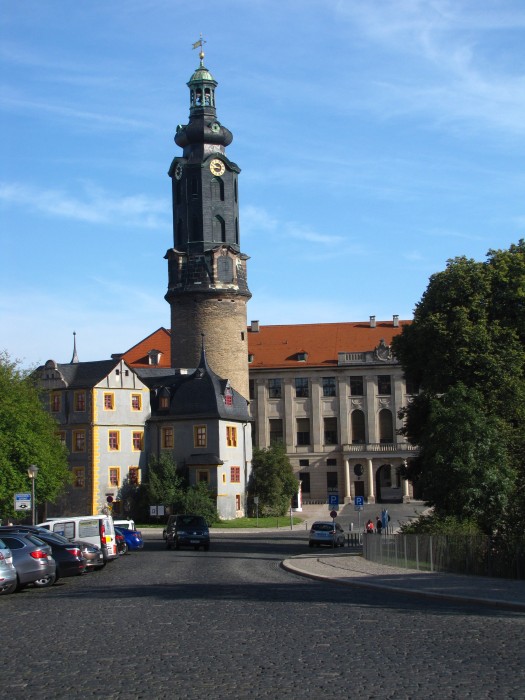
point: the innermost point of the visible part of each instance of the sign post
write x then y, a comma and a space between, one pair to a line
359, 504
23, 501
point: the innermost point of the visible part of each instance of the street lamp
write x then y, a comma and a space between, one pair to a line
32, 472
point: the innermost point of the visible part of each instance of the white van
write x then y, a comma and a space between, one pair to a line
96, 529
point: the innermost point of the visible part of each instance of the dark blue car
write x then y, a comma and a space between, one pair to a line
132, 538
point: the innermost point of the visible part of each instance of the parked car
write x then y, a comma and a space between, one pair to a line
91, 553
32, 558
7, 570
329, 533
133, 538
188, 530
122, 547
128, 524
96, 529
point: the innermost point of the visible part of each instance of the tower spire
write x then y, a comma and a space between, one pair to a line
74, 359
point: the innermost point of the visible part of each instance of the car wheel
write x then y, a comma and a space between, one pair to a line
310, 544
46, 581
124, 549
9, 589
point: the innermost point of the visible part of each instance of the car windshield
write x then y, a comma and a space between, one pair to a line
191, 521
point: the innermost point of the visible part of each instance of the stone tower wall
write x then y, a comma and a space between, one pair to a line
223, 322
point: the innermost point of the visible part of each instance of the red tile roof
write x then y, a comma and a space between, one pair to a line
137, 356
278, 346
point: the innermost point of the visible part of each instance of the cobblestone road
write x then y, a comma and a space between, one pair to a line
230, 623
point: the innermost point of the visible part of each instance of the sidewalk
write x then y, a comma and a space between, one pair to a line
354, 570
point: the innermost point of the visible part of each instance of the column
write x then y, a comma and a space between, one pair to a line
347, 481
370, 479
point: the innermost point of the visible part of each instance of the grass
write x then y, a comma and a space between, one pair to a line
283, 521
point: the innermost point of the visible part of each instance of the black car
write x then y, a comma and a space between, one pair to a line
189, 531
67, 555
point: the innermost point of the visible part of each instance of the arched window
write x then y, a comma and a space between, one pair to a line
217, 189
386, 426
358, 427
219, 230
198, 97
207, 96
237, 231
235, 189
194, 187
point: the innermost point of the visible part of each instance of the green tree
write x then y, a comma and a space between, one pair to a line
165, 485
28, 435
272, 480
199, 500
465, 348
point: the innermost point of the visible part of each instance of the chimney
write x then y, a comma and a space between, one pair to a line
396, 320
372, 321
254, 327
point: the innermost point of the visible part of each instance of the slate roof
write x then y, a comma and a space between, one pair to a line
200, 394
82, 374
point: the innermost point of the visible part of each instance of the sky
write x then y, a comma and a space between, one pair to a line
376, 140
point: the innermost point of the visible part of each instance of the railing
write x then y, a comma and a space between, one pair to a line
381, 447
461, 554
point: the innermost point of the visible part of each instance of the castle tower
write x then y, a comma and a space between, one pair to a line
207, 280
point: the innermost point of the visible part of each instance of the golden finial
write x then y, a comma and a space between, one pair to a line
200, 43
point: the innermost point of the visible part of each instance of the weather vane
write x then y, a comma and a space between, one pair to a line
200, 43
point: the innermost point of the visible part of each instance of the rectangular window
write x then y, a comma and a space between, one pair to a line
356, 386
164, 402
329, 386
79, 440
331, 481
137, 440
304, 478
276, 431
237, 501
303, 431
114, 440
133, 475
80, 401
136, 402
61, 435
384, 385
304, 462
79, 477
200, 437
167, 438
109, 402
235, 475
114, 476
56, 401
231, 436
330, 431
275, 388
302, 389
203, 477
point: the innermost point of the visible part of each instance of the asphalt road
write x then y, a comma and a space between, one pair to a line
230, 623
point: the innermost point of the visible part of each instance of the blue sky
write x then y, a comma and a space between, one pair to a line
376, 141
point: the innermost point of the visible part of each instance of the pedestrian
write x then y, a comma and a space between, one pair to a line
369, 527
379, 525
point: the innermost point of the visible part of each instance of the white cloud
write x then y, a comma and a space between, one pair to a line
97, 206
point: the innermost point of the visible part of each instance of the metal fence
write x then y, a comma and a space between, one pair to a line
460, 554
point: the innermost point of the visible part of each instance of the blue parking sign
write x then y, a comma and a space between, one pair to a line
333, 499
359, 501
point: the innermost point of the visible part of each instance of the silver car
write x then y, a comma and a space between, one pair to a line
7, 570
326, 532
32, 559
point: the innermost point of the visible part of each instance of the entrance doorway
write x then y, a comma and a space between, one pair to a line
388, 485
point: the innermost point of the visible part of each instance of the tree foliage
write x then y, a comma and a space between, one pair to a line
272, 480
27, 436
465, 348
164, 483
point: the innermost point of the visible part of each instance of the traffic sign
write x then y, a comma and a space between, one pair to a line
333, 499
22, 501
359, 501
333, 514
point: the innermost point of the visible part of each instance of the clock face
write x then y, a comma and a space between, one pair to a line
215, 127
178, 171
217, 167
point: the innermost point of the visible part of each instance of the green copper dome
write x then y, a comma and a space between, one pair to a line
201, 74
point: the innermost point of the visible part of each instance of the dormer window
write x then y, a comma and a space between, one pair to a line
154, 357
228, 396
250, 357
302, 356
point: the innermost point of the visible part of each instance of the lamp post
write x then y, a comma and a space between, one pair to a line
32, 472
